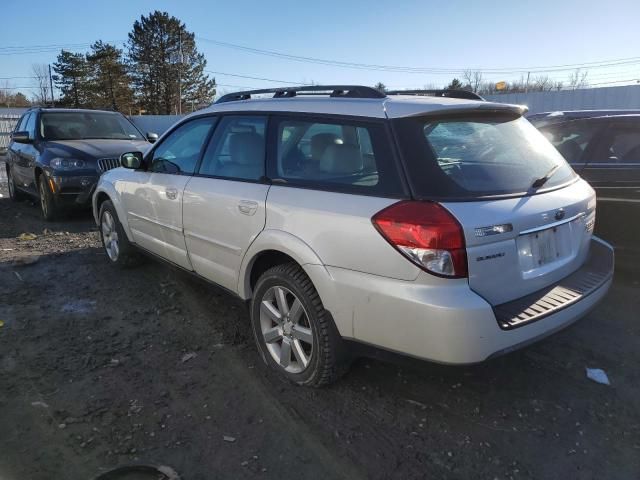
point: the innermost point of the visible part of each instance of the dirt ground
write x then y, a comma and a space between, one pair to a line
100, 368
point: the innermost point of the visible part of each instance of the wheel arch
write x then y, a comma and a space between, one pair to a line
270, 248
273, 247
104, 192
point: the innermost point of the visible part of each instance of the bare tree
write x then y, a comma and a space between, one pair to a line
578, 79
473, 80
41, 75
6, 94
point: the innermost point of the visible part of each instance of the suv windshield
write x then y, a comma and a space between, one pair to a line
82, 125
478, 156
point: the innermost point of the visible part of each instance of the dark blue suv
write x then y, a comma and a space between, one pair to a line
57, 155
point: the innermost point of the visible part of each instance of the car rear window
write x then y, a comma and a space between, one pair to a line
476, 156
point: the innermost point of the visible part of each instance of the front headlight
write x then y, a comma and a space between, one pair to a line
66, 164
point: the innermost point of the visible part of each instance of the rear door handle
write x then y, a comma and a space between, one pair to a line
248, 207
172, 193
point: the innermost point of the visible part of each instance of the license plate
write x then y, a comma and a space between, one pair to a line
544, 246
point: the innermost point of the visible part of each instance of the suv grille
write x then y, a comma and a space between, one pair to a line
105, 164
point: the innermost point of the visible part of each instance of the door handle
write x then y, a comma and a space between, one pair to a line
172, 193
248, 207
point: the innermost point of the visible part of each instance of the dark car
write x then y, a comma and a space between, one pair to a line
57, 154
605, 151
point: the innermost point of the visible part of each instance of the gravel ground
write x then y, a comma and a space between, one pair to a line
100, 368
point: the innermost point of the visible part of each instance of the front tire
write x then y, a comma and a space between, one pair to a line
120, 252
294, 333
47, 202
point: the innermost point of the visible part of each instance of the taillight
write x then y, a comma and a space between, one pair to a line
427, 234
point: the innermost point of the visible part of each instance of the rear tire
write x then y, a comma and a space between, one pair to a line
295, 335
47, 202
120, 252
14, 194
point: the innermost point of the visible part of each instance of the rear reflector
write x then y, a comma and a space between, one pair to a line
427, 234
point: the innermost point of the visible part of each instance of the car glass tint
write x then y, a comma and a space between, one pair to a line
237, 150
180, 150
623, 146
341, 156
30, 127
478, 156
86, 125
571, 138
22, 124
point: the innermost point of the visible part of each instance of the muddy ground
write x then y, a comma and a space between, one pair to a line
100, 367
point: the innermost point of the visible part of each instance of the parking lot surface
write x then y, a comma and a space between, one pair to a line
101, 367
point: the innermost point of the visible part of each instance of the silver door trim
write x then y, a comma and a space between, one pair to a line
231, 248
151, 220
551, 225
623, 200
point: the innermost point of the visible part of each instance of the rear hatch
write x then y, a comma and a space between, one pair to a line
527, 218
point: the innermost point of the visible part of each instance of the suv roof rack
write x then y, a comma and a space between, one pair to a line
464, 94
348, 91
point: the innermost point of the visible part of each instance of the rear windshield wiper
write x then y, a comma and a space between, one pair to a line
538, 182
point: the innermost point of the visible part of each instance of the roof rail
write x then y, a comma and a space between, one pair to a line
348, 91
464, 94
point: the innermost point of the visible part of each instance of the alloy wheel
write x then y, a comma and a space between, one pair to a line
110, 236
286, 329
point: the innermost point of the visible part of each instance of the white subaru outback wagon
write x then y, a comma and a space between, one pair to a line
443, 228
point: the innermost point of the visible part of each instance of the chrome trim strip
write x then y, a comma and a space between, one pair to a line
231, 248
147, 219
554, 224
623, 200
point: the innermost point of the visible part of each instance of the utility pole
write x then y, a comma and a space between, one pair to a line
180, 74
51, 86
526, 85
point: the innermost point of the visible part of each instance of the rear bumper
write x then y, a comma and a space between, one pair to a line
446, 323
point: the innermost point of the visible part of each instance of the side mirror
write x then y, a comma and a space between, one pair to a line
131, 160
152, 137
21, 137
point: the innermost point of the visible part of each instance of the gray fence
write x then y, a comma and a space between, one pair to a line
608, 98
7, 124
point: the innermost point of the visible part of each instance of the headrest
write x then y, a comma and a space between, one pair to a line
341, 159
246, 148
320, 142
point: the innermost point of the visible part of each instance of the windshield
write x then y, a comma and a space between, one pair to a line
478, 156
83, 125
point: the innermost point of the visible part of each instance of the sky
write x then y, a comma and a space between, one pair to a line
514, 37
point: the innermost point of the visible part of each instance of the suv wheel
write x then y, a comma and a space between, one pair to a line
14, 194
119, 250
47, 202
294, 333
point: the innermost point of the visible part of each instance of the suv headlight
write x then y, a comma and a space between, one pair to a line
66, 164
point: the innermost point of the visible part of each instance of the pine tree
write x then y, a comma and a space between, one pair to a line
72, 78
166, 68
455, 85
108, 80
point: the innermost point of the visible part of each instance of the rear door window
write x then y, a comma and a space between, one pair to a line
571, 138
331, 154
477, 156
621, 146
